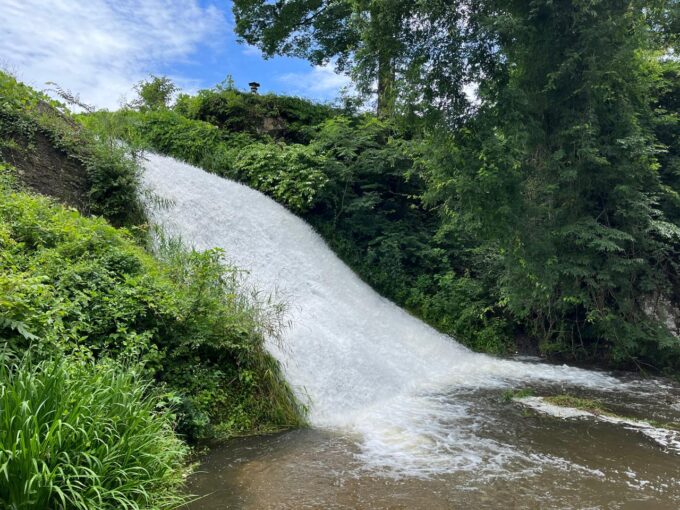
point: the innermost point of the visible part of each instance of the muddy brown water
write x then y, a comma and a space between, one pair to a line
569, 464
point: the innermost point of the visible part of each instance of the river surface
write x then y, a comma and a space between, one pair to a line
531, 461
402, 416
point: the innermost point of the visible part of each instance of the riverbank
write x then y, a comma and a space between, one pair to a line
169, 331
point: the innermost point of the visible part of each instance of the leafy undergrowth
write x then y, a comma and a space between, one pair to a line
77, 286
290, 173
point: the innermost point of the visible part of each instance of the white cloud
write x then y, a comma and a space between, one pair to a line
251, 51
101, 48
322, 82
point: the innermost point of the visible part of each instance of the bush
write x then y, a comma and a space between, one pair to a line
85, 436
291, 174
75, 285
163, 131
287, 118
461, 306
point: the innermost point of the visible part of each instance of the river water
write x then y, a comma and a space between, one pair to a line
402, 416
523, 460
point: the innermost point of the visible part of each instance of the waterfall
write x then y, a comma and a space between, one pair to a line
364, 364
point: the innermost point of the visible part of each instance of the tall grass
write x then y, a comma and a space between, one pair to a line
227, 321
85, 436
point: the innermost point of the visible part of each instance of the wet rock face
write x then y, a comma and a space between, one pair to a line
273, 126
49, 171
665, 311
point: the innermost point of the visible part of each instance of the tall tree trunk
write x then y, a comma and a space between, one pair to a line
385, 85
381, 38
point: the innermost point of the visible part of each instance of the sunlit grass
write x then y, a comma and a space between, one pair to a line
85, 436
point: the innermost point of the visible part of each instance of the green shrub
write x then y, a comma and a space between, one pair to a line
84, 436
290, 119
166, 132
218, 357
291, 174
76, 285
163, 131
460, 306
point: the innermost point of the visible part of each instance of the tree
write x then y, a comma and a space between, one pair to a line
402, 50
154, 93
559, 170
320, 31
564, 164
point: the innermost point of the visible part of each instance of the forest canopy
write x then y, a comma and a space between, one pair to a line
562, 166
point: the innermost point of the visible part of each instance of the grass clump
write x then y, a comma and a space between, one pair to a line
583, 404
84, 436
598, 408
671, 425
564, 400
510, 395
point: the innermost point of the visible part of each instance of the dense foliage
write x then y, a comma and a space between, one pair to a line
357, 180
84, 436
78, 286
561, 171
541, 212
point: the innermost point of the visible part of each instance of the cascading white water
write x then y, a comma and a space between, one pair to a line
365, 364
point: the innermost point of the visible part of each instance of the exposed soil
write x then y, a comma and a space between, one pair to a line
49, 171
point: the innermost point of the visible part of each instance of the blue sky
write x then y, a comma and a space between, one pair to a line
101, 48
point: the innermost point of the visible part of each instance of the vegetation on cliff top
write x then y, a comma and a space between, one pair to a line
103, 176
542, 208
